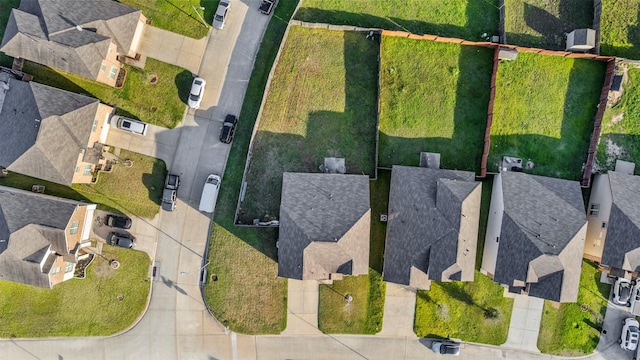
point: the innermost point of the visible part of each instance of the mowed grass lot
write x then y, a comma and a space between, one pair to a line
543, 23
471, 311
321, 103
467, 19
620, 28
572, 329
160, 104
620, 136
433, 97
80, 307
544, 112
135, 190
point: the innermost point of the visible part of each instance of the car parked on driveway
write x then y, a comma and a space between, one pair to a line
622, 291
130, 125
197, 91
446, 347
630, 334
122, 240
172, 182
118, 221
228, 129
170, 192
221, 14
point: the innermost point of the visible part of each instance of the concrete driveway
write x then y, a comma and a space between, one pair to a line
144, 230
399, 311
611, 330
172, 48
525, 323
302, 307
159, 142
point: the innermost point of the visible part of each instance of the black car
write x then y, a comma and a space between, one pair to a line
172, 182
122, 240
228, 129
118, 221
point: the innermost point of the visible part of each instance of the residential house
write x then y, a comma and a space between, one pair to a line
41, 237
48, 133
324, 226
432, 226
535, 236
76, 36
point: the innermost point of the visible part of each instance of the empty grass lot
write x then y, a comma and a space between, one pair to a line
80, 307
567, 329
248, 294
620, 136
619, 28
467, 19
471, 311
544, 111
321, 103
136, 190
433, 97
543, 23
138, 98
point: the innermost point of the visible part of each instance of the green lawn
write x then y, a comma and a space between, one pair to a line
467, 19
80, 307
160, 104
136, 190
620, 136
470, 311
5, 12
543, 23
573, 329
544, 111
433, 97
321, 103
178, 16
248, 293
619, 28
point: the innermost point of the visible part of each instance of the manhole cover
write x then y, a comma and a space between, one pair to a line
120, 297
128, 163
114, 264
153, 78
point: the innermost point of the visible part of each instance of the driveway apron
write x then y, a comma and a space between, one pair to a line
525, 323
173, 48
399, 311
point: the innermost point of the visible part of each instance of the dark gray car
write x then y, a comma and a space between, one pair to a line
122, 240
169, 200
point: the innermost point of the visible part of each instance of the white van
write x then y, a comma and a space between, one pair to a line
210, 193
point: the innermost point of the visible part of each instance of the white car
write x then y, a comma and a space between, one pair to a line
197, 90
630, 334
622, 291
221, 14
130, 125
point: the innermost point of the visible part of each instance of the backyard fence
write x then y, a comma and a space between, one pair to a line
597, 13
501, 30
492, 97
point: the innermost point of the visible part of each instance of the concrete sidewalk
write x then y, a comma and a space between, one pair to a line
302, 308
525, 323
399, 311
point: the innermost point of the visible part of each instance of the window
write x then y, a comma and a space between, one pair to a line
87, 170
68, 267
103, 67
74, 228
113, 72
594, 210
77, 169
95, 125
55, 270
604, 225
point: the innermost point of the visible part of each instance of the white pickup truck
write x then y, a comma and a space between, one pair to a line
210, 194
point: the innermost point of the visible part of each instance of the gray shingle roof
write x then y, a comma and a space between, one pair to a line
424, 224
542, 217
31, 224
43, 130
324, 225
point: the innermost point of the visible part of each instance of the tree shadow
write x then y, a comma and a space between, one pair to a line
183, 83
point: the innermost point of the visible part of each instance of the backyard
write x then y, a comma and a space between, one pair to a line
178, 16
544, 112
433, 97
5, 12
471, 311
106, 302
573, 329
544, 23
321, 103
619, 28
468, 19
135, 190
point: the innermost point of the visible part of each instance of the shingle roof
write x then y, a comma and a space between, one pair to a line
542, 217
424, 224
43, 130
324, 225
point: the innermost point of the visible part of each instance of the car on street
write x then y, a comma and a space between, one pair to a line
210, 193
197, 91
122, 240
221, 14
118, 221
630, 334
228, 129
130, 125
622, 291
446, 347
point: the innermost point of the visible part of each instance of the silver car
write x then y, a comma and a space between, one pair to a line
221, 14
130, 125
446, 347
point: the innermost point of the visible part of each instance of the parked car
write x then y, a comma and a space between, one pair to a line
221, 14
635, 301
210, 193
197, 91
630, 334
122, 240
130, 125
118, 221
228, 129
172, 182
446, 347
169, 199
622, 291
